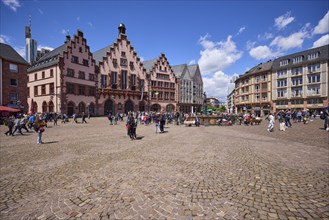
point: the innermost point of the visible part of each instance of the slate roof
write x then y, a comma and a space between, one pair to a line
99, 54
192, 68
148, 64
178, 70
49, 59
10, 54
262, 67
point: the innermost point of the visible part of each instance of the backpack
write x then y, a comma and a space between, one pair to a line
322, 116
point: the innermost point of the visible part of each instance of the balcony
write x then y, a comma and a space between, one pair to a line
133, 88
114, 86
314, 93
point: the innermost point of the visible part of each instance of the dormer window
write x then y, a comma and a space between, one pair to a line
123, 54
297, 59
313, 56
284, 62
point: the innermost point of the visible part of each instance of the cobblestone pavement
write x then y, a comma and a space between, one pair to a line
93, 171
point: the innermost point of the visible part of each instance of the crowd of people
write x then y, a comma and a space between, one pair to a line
38, 122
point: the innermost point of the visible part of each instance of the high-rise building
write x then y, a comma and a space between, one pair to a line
31, 45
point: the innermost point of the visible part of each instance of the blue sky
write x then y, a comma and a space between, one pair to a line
225, 38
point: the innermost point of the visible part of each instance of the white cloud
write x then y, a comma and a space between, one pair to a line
283, 20
191, 62
40, 11
295, 40
4, 39
324, 40
323, 25
45, 47
65, 32
260, 52
241, 30
12, 4
142, 59
217, 56
217, 85
250, 44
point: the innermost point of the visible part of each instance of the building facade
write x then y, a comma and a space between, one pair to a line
31, 46
122, 81
64, 80
197, 90
230, 103
300, 80
163, 85
13, 78
253, 90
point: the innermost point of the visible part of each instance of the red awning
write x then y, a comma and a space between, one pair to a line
8, 109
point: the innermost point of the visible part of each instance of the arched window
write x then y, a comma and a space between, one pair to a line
44, 106
155, 108
70, 108
109, 107
129, 106
82, 107
170, 108
51, 106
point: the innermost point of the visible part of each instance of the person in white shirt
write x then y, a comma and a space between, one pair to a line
271, 123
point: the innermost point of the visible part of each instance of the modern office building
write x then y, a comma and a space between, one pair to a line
13, 78
300, 80
31, 46
64, 80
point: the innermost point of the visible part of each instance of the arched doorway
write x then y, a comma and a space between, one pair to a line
51, 106
170, 108
44, 106
142, 106
91, 108
35, 107
81, 107
70, 108
109, 107
129, 106
155, 108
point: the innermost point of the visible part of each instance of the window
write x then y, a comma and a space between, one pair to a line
315, 101
13, 97
159, 84
14, 82
85, 62
91, 91
13, 68
284, 62
297, 102
91, 77
114, 76
43, 75
282, 73
141, 85
35, 76
296, 71
81, 75
103, 81
166, 85
282, 83
123, 54
297, 81
51, 73
74, 59
282, 102
133, 81
70, 88
43, 89
81, 90
172, 85
123, 62
166, 95
80, 49
131, 64
264, 77
313, 90
296, 92
256, 88
313, 56
257, 79
70, 72
257, 96
51, 88
115, 62
314, 68
297, 59
162, 76
154, 83
282, 92
314, 78
123, 79
35, 90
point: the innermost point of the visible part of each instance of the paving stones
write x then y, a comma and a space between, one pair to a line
92, 171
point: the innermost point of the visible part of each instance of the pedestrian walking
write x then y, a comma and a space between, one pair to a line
83, 118
39, 128
10, 124
156, 121
271, 123
55, 118
17, 123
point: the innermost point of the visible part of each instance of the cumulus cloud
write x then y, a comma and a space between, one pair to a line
324, 40
12, 4
216, 56
323, 25
260, 52
283, 20
217, 85
295, 40
45, 47
4, 39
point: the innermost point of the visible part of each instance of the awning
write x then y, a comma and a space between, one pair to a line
8, 109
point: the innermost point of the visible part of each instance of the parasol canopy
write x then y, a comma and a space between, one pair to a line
8, 109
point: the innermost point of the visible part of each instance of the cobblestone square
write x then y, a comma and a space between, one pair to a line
93, 171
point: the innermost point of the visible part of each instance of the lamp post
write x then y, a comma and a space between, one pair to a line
113, 104
88, 110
